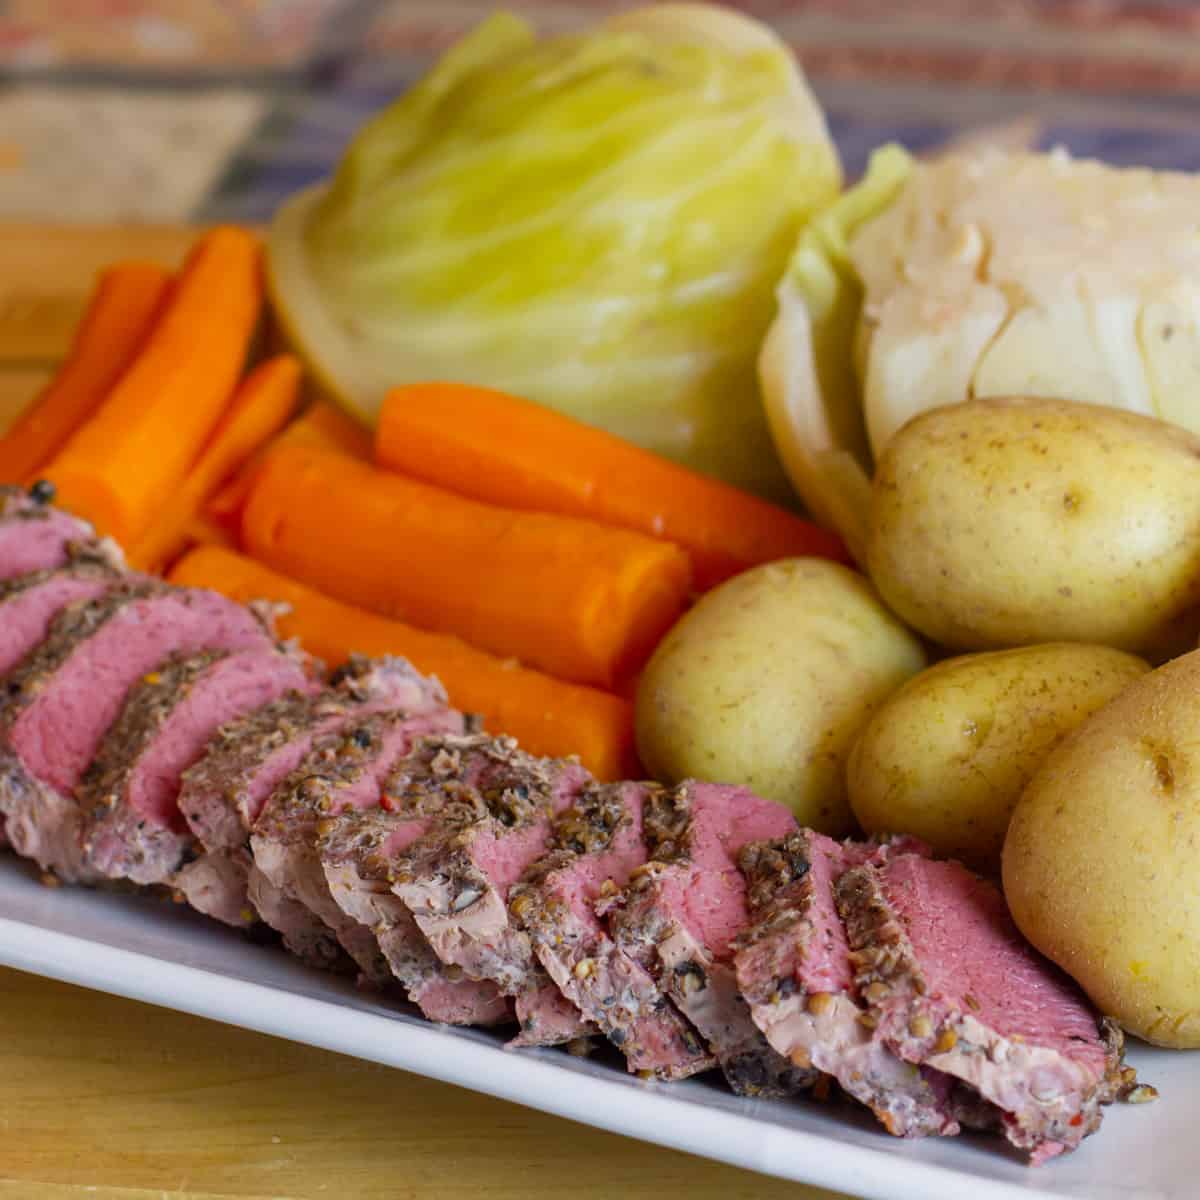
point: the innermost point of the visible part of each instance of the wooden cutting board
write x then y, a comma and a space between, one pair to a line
106, 1098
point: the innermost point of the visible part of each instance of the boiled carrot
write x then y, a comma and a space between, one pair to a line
119, 315
545, 715
324, 424
204, 532
503, 450
264, 401
579, 600
321, 424
121, 466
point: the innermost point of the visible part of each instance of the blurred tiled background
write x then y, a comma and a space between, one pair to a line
175, 109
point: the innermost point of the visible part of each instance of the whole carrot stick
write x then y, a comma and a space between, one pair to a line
203, 532
581, 601
261, 407
127, 298
121, 465
321, 424
324, 424
545, 715
503, 450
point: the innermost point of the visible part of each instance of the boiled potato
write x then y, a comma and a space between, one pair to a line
767, 681
1102, 858
1006, 522
946, 756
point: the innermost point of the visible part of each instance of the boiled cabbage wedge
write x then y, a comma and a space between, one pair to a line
596, 221
987, 274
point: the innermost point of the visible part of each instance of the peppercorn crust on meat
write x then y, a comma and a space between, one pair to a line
400, 841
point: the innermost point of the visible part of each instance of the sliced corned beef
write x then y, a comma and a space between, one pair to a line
951, 984
455, 878
793, 968
224, 792
598, 843
36, 537
680, 913
356, 850
217, 884
28, 603
548, 1018
343, 770
132, 826
58, 704
464, 814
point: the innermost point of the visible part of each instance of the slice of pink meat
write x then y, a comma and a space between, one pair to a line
36, 537
794, 969
35, 540
132, 827
225, 791
356, 849
679, 918
455, 878
951, 984
64, 697
343, 771
599, 843
30, 602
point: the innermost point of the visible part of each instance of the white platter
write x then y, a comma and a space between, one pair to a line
151, 950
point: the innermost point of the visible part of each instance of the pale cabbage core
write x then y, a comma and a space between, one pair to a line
999, 274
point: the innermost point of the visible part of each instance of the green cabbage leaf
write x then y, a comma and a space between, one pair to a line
595, 221
814, 355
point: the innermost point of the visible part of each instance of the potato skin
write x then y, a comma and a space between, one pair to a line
1010, 521
767, 681
947, 755
1102, 853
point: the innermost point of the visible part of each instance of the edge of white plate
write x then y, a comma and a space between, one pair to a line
649, 1115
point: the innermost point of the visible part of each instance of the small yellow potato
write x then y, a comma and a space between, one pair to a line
1007, 522
1102, 858
947, 755
767, 682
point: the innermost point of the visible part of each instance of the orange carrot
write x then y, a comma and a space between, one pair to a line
494, 447
260, 408
122, 310
321, 424
121, 466
203, 532
578, 600
545, 715
324, 424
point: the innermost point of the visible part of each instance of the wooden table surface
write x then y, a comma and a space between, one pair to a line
105, 1097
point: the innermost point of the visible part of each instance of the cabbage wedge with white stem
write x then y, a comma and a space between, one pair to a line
986, 274
595, 221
